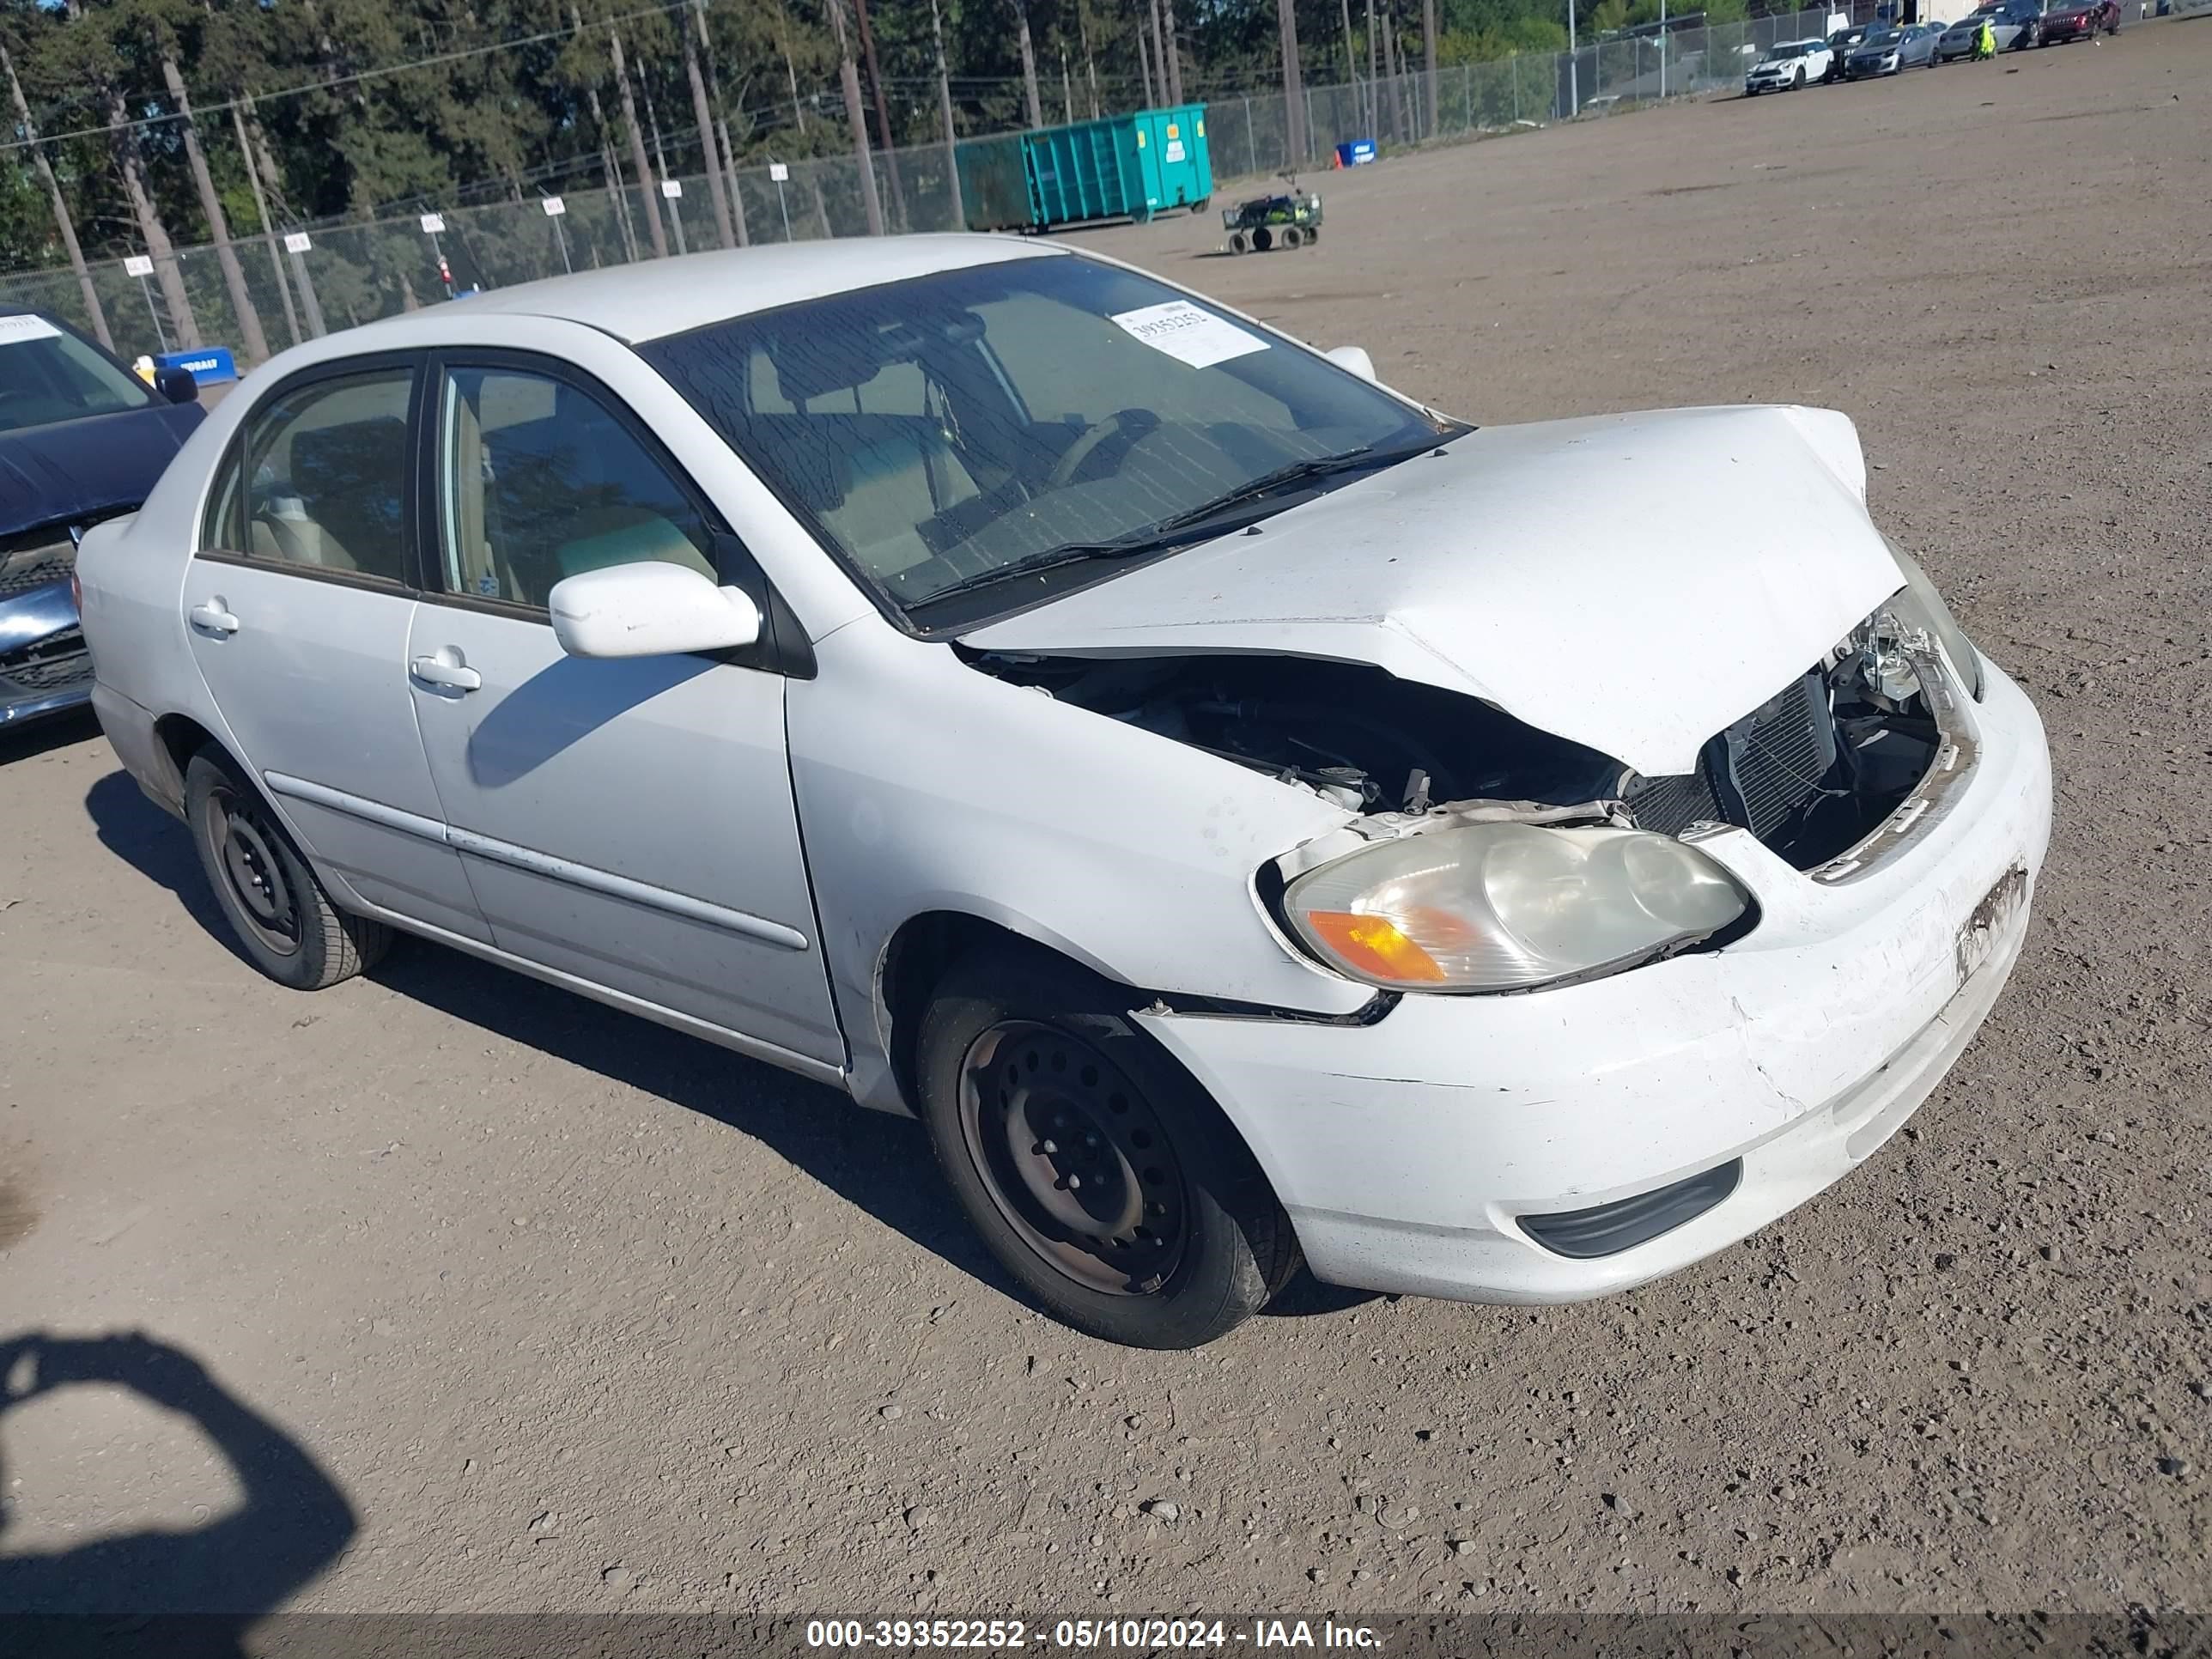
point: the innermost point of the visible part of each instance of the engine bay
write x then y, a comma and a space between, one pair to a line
1810, 772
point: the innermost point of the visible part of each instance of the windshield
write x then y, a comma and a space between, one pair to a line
1790, 49
48, 374
1887, 38
938, 432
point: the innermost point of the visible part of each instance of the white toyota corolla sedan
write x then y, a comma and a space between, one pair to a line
1246, 815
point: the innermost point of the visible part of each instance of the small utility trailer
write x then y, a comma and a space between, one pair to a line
1290, 220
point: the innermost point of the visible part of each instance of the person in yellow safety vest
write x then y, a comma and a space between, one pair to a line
1985, 42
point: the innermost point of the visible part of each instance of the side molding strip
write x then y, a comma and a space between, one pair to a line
585, 876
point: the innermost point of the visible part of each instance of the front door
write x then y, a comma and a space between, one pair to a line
298, 605
629, 821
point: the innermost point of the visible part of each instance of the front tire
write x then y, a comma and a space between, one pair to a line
1099, 1174
283, 921
1798, 85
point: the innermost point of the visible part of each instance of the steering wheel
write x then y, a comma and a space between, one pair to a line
1130, 425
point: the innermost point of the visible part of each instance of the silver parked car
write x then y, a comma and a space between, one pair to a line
1244, 813
1892, 51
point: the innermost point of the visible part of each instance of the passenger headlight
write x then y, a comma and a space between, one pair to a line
1935, 616
1505, 907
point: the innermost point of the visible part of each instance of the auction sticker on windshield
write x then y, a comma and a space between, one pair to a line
1189, 334
18, 331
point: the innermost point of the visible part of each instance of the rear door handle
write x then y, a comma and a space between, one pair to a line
209, 617
446, 671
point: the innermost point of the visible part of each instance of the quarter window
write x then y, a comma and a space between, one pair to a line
323, 482
539, 481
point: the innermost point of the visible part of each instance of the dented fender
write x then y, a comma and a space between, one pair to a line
925, 786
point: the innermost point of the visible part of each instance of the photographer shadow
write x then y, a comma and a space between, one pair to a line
189, 1593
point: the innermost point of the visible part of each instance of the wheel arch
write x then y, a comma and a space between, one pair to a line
177, 739
914, 959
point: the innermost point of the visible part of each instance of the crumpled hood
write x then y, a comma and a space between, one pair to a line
78, 469
1633, 582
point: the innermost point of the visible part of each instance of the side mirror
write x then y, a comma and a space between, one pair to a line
177, 384
650, 609
1354, 358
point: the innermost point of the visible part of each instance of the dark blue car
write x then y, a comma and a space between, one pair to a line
82, 439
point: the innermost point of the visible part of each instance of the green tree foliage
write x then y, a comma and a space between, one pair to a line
374, 109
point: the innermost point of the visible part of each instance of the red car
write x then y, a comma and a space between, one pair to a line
2079, 19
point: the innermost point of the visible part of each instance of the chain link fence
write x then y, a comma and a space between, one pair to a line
354, 273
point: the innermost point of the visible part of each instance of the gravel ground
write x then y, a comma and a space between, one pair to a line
573, 1313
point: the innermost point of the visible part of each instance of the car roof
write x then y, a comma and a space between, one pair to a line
655, 298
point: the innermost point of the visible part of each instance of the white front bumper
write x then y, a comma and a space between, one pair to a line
1406, 1150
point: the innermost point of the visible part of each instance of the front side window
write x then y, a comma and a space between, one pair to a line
942, 433
320, 482
538, 481
48, 374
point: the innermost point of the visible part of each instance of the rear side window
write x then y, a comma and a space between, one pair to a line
321, 481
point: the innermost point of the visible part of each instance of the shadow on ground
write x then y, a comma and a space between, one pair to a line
881, 1165
291, 1524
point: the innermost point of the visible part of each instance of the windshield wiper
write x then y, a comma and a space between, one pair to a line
1052, 558
1219, 517
1297, 472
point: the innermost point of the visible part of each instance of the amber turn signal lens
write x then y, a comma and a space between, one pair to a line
1374, 946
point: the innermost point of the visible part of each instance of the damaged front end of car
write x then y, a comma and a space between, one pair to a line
44, 667
1482, 854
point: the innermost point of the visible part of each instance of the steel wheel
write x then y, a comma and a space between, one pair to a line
245, 844
1075, 1158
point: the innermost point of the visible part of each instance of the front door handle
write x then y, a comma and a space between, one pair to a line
209, 617
448, 671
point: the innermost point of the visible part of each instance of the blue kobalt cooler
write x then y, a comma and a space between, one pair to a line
209, 366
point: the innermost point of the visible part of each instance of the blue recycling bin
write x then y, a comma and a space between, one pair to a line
1356, 154
209, 366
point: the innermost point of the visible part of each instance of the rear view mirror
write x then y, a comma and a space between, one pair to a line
649, 608
1354, 358
177, 384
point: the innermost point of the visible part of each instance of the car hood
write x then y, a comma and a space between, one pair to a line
1633, 583
73, 470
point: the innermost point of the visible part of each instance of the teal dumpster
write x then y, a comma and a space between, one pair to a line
1122, 166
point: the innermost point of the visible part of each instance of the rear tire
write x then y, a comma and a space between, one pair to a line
1239, 242
1031, 1080
283, 919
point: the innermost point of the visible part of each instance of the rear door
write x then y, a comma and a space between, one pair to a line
298, 604
628, 822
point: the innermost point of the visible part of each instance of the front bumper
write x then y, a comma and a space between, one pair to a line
1408, 1151
45, 668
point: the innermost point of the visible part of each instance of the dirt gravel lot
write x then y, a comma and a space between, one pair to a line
573, 1313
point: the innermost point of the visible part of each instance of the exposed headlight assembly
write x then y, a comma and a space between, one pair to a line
1922, 605
1508, 906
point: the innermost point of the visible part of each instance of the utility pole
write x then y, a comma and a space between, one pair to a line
694, 38
268, 228
1429, 42
1574, 92
1029, 63
644, 168
251, 340
883, 109
1294, 99
848, 75
944, 114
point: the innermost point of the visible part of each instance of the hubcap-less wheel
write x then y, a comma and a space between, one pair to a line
1073, 1157
250, 865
